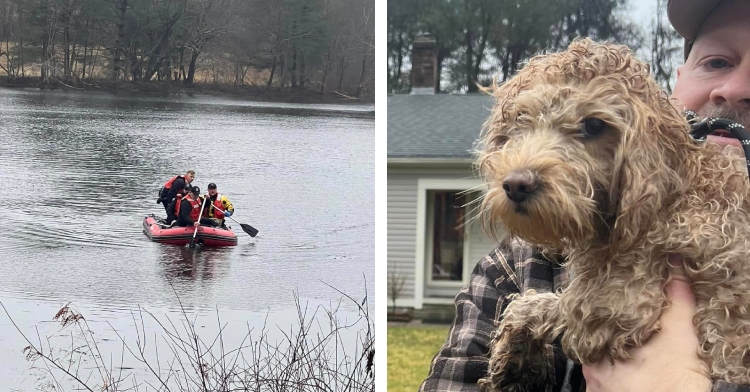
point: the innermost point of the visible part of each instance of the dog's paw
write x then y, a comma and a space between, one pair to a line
487, 385
518, 359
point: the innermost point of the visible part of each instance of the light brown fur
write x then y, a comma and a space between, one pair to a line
615, 205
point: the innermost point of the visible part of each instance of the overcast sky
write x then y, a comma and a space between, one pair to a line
643, 11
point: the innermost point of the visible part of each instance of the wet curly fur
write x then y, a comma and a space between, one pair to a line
615, 204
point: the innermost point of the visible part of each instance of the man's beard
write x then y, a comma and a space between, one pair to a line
737, 115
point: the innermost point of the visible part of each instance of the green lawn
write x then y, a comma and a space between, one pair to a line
410, 350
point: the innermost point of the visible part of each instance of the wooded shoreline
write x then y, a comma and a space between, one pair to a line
246, 45
169, 88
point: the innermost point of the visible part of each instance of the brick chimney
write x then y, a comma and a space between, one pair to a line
423, 65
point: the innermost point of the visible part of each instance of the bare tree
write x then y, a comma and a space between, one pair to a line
208, 20
665, 47
298, 44
367, 41
396, 281
121, 9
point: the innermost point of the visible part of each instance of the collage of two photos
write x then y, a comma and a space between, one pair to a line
567, 196
360, 195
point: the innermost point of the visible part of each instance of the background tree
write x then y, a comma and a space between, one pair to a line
326, 46
666, 48
402, 27
480, 40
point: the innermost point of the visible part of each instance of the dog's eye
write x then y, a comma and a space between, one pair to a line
499, 141
523, 118
592, 127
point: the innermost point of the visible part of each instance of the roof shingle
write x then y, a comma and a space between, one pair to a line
435, 126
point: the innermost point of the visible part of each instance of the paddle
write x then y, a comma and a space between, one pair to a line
245, 227
192, 241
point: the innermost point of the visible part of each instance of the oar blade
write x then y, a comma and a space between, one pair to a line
249, 229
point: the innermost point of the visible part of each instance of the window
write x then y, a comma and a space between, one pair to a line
447, 242
437, 288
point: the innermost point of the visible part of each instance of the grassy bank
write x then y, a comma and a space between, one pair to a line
410, 350
321, 351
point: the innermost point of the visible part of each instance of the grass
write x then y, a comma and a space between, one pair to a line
410, 351
316, 353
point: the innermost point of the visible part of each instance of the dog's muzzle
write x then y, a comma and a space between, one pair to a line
519, 185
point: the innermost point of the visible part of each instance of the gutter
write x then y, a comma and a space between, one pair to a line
430, 161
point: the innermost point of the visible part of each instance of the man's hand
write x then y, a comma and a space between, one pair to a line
196, 224
668, 361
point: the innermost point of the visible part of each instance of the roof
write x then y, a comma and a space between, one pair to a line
435, 126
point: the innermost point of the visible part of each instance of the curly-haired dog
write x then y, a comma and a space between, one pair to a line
585, 156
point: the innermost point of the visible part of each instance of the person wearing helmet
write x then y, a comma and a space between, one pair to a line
189, 210
218, 206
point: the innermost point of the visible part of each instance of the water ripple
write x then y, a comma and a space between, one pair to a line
84, 169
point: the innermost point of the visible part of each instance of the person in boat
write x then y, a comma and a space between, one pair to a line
189, 210
174, 185
218, 206
172, 209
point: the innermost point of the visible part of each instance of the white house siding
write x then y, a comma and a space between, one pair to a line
402, 223
480, 243
402, 233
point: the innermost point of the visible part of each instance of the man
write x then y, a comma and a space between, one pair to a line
174, 185
189, 210
714, 81
172, 209
218, 206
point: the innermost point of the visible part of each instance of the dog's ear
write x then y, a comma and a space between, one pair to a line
648, 163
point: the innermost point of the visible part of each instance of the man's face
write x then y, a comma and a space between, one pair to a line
212, 191
190, 177
715, 79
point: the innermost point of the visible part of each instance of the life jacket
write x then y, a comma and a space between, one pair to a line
217, 205
195, 212
167, 186
174, 205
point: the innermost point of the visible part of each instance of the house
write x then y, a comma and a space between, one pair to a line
434, 238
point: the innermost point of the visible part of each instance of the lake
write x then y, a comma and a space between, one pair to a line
82, 170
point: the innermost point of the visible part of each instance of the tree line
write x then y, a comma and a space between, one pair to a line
320, 45
478, 40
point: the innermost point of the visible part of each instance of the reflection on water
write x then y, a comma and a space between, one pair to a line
84, 169
192, 266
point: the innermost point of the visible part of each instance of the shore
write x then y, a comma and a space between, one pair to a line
256, 93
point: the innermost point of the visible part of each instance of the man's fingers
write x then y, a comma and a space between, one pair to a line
680, 313
678, 289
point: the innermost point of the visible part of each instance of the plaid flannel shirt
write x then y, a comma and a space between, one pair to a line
511, 268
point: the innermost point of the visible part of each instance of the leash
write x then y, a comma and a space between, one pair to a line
700, 129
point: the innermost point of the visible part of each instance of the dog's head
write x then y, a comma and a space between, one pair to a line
581, 148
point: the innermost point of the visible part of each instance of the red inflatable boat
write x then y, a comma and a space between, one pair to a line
157, 231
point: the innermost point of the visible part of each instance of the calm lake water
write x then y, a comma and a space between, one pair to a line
81, 170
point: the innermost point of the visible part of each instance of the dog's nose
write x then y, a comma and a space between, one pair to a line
519, 185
